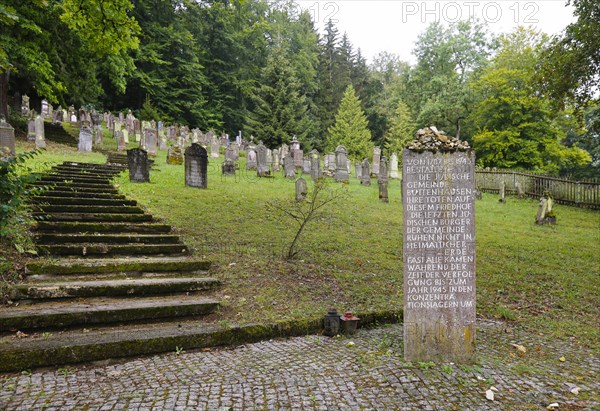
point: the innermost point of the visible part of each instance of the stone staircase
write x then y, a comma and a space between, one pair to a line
114, 282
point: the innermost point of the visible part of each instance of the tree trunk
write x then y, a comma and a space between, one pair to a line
4, 94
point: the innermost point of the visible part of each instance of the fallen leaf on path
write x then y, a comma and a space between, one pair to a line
520, 348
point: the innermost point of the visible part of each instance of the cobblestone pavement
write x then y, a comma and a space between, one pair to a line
364, 372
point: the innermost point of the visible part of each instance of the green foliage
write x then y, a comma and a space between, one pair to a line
148, 111
15, 176
350, 128
401, 131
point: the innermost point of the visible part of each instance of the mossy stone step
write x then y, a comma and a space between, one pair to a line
98, 217
55, 315
50, 178
82, 227
91, 239
96, 171
87, 209
116, 265
76, 200
81, 194
103, 188
76, 189
110, 250
111, 288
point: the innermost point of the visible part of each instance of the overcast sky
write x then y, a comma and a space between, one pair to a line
393, 25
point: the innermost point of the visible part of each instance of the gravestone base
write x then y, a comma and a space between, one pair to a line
438, 342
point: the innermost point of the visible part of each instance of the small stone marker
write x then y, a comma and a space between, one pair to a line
365, 173
502, 191
383, 191
341, 164
438, 184
174, 155
40, 140
139, 167
86, 139
301, 189
7, 137
196, 166
376, 160
262, 165
251, 162
289, 166
394, 166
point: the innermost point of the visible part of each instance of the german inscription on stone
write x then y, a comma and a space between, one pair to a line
439, 255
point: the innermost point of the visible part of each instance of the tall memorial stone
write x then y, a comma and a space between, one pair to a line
365, 173
85, 139
341, 164
315, 165
262, 164
438, 187
196, 166
7, 136
139, 167
31, 130
376, 159
40, 138
289, 168
394, 166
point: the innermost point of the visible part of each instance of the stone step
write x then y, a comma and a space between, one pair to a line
81, 227
49, 178
110, 250
92, 239
111, 288
102, 171
116, 265
81, 174
80, 194
69, 188
103, 188
97, 217
77, 200
101, 343
59, 314
87, 209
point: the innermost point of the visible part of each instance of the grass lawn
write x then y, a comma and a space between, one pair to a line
544, 277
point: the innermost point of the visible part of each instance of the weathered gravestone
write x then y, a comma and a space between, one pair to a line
251, 160
358, 170
25, 105
341, 164
394, 166
438, 184
289, 168
520, 193
196, 166
275, 160
298, 158
306, 166
501, 192
330, 162
366, 173
121, 142
151, 139
214, 147
262, 165
228, 167
383, 170
139, 167
45, 112
31, 130
383, 191
7, 137
40, 139
376, 160
231, 153
301, 189
174, 155
85, 139
315, 165
545, 214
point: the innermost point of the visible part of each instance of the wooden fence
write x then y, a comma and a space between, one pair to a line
585, 194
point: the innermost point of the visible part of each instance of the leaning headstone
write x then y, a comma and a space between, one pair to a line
174, 155
7, 137
438, 184
139, 167
544, 213
251, 160
40, 139
289, 166
301, 189
228, 167
85, 139
341, 164
394, 166
262, 165
366, 173
376, 159
315, 165
196, 166
501, 192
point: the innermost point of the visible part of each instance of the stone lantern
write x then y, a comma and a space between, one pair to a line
349, 322
331, 323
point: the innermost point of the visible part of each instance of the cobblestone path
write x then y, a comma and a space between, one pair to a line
364, 372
